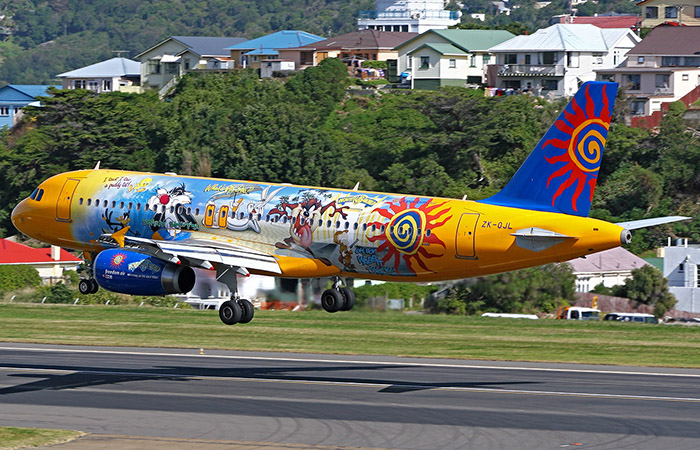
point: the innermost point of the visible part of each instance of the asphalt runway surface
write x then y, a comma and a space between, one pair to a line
336, 401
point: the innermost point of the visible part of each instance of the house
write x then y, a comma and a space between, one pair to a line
14, 97
682, 270
656, 12
556, 60
270, 66
351, 48
50, 262
448, 57
408, 16
251, 53
609, 268
165, 62
116, 74
662, 68
631, 21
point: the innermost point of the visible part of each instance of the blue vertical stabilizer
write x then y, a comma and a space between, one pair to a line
561, 172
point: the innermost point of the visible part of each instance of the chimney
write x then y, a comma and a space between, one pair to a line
55, 252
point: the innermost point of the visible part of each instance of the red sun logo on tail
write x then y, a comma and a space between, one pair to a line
582, 150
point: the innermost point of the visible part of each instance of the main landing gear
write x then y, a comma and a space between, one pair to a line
88, 285
338, 298
236, 310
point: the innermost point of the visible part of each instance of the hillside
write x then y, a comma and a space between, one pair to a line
49, 38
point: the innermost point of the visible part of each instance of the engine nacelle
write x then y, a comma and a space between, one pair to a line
134, 273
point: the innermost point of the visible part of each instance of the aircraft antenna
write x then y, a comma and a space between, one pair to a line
357, 186
97, 166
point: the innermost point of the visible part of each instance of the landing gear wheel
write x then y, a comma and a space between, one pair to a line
229, 312
349, 297
247, 311
94, 286
332, 300
85, 286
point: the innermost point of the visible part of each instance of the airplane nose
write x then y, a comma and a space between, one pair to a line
19, 215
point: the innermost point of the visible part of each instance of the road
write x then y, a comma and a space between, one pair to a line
349, 401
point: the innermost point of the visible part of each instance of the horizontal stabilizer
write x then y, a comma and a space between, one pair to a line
635, 224
538, 239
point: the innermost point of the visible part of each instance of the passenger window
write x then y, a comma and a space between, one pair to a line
89, 202
328, 224
80, 201
427, 233
121, 205
114, 203
196, 212
138, 207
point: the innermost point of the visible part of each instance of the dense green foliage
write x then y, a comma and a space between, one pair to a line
648, 286
53, 37
14, 277
538, 289
304, 130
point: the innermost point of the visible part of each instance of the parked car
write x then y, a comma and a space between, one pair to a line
631, 317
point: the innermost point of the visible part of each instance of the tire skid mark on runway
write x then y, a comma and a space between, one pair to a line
344, 383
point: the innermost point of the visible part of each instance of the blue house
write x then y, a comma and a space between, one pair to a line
251, 53
13, 97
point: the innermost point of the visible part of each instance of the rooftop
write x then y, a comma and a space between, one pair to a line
614, 260
363, 39
669, 40
268, 45
115, 67
567, 37
14, 253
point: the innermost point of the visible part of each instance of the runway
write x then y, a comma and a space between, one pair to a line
347, 401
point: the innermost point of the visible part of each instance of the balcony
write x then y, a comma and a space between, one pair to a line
424, 14
531, 70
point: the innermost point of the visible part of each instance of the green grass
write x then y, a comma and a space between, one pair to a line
435, 336
12, 438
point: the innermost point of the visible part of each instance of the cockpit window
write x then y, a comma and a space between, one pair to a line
33, 194
39, 195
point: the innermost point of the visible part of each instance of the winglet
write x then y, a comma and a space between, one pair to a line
120, 235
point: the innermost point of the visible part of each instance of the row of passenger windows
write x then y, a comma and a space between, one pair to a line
223, 213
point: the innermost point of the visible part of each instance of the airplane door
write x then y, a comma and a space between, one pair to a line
466, 231
64, 200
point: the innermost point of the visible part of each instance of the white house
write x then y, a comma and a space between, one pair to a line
682, 269
408, 16
448, 57
558, 59
609, 268
116, 74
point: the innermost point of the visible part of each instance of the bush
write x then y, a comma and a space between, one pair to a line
14, 277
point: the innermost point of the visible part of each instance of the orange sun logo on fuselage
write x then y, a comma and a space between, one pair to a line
409, 232
583, 149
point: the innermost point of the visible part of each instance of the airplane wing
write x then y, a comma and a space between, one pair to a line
198, 253
635, 224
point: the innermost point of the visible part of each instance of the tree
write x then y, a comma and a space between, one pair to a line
648, 286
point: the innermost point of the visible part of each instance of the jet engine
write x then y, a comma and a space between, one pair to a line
130, 272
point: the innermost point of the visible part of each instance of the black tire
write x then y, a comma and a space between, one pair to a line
85, 286
332, 300
230, 313
94, 285
349, 297
247, 311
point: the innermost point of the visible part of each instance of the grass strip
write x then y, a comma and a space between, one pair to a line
14, 438
433, 336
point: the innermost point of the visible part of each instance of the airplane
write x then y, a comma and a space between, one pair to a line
158, 234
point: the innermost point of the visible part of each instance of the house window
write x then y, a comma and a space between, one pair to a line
409, 64
685, 77
528, 59
255, 59
425, 62
153, 66
93, 85
171, 68
697, 12
453, 63
632, 82
549, 57
187, 63
572, 59
652, 12
671, 12
4, 111
550, 85
662, 80
598, 58
510, 58
78, 84
487, 59
472, 61
640, 60
106, 85
637, 108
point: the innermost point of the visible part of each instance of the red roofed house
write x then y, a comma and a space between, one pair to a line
50, 262
632, 22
